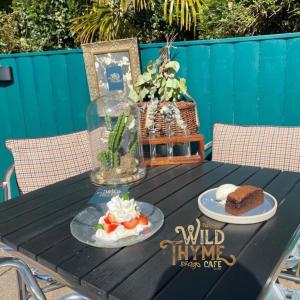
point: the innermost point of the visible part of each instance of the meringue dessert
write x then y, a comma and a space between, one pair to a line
122, 219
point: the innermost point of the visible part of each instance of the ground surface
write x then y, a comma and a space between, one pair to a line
8, 284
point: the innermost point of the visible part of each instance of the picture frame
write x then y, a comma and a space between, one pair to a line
111, 66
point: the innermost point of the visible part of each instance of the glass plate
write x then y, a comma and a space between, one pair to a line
215, 210
83, 226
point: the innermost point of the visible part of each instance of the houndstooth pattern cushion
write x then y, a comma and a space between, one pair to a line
262, 146
43, 161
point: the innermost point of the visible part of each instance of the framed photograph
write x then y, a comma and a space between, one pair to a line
111, 66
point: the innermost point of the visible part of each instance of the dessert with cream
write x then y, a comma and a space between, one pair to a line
239, 199
122, 219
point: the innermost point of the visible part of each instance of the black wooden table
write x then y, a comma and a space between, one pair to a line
37, 225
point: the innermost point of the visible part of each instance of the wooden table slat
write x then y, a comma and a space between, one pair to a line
125, 289
52, 256
37, 224
237, 237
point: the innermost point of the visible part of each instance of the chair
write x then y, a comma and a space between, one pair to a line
261, 146
39, 162
27, 283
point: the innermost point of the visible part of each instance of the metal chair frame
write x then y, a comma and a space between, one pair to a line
27, 283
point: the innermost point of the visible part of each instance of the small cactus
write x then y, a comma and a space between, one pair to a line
111, 157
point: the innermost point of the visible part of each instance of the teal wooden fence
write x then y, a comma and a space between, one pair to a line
251, 80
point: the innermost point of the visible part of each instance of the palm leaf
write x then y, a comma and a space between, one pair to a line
186, 12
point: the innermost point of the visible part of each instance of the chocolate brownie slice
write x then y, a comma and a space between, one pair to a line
243, 199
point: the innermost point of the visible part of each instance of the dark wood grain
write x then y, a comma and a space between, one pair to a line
38, 195
70, 267
237, 237
37, 224
262, 254
151, 289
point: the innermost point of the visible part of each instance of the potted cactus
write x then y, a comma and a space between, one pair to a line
116, 153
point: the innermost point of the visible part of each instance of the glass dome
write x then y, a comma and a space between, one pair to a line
117, 155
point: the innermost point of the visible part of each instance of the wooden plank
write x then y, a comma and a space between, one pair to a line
85, 261
52, 258
162, 270
261, 257
221, 83
173, 139
53, 236
271, 82
245, 83
79, 192
236, 237
147, 249
47, 239
154, 171
158, 161
40, 193
292, 77
28, 207
195, 188
146, 187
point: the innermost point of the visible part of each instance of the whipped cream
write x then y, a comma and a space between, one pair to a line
120, 211
123, 210
120, 232
223, 191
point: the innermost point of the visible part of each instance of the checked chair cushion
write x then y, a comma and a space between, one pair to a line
43, 161
261, 146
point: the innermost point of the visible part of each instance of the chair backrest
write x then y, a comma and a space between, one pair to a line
43, 161
262, 146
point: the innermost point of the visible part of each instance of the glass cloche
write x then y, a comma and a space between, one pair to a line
117, 155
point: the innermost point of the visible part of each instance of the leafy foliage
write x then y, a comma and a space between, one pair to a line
37, 25
223, 18
33, 25
159, 80
111, 19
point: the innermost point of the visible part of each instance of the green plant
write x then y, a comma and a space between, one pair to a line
110, 158
159, 81
44, 24
111, 19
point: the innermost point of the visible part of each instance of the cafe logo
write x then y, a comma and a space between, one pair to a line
201, 246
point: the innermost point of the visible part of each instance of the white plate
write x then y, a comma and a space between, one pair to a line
215, 210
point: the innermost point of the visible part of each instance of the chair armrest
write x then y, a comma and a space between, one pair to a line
6, 184
208, 146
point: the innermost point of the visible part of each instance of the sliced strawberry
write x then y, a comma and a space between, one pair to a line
111, 218
143, 220
106, 219
110, 227
130, 224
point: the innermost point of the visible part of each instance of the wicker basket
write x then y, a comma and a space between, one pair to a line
187, 112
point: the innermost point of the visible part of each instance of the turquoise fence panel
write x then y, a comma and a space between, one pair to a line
245, 83
271, 82
250, 80
291, 110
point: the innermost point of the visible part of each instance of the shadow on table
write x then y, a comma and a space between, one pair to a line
232, 283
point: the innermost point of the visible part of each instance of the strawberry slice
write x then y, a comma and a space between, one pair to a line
106, 220
143, 220
110, 227
130, 224
109, 219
